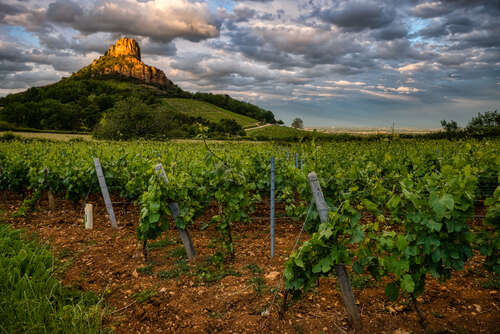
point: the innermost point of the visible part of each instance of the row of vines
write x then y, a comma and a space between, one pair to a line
399, 209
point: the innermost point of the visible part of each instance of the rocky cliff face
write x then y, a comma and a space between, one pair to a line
124, 58
124, 47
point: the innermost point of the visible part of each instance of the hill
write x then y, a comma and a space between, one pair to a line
206, 110
83, 101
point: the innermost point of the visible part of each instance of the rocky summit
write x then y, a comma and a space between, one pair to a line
124, 58
125, 47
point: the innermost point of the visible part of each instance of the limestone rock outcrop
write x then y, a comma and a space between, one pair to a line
125, 47
124, 58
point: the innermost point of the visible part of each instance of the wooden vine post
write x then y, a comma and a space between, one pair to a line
105, 193
51, 199
89, 217
50, 195
343, 279
174, 208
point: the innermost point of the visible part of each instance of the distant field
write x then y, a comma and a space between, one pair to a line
54, 136
67, 137
206, 110
275, 131
374, 131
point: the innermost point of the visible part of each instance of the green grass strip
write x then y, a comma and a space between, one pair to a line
32, 300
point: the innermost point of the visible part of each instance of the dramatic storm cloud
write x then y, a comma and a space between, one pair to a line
332, 63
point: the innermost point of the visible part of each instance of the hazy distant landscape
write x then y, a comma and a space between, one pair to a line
368, 130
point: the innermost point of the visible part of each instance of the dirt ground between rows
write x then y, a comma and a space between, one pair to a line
181, 301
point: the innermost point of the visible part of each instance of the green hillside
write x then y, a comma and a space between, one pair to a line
206, 110
87, 104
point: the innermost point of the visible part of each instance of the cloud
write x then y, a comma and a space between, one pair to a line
10, 66
347, 83
285, 45
450, 25
8, 9
159, 20
323, 60
404, 90
64, 11
356, 15
415, 67
430, 9
391, 32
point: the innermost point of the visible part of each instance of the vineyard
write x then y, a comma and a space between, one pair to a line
405, 217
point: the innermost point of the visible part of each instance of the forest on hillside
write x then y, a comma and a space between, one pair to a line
77, 104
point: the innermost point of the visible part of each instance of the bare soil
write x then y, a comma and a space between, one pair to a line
173, 295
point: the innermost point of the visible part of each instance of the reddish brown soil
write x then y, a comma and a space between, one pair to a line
107, 262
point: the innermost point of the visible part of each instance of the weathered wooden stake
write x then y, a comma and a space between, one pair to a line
52, 202
174, 208
272, 206
50, 196
105, 193
343, 279
89, 216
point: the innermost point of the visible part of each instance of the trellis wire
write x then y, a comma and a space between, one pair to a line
278, 288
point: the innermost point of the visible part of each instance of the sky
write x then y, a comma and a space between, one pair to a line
333, 63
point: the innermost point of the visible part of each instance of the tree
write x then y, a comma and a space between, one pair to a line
130, 118
230, 126
298, 123
450, 126
489, 119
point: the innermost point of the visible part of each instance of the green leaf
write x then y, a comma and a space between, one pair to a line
357, 267
153, 218
317, 268
434, 226
394, 202
436, 255
298, 261
288, 274
448, 201
357, 235
369, 205
326, 264
408, 284
437, 206
154, 206
401, 242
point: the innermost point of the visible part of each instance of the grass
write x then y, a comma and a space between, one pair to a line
255, 269
276, 132
181, 267
492, 281
146, 270
206, 110
212, 270
144, 295
177, 252
32, 300
160, 244
259, 284
53, 136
